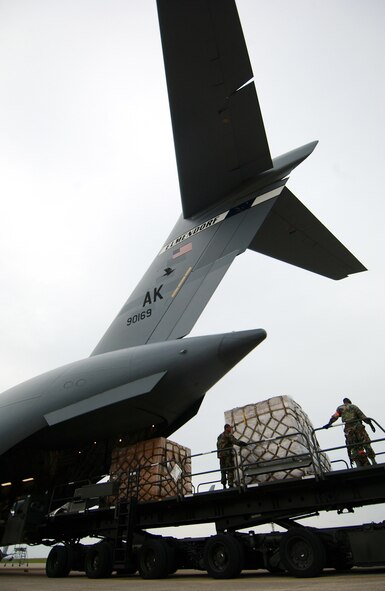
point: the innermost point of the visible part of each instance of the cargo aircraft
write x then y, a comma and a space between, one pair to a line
144, 378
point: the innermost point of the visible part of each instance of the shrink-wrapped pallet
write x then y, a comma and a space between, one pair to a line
163, 468
281, 420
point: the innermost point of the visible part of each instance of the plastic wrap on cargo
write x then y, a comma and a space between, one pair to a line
164, 469
283, 421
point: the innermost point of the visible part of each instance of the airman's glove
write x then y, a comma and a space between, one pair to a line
327, 426
368, 421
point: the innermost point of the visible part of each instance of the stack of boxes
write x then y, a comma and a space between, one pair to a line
163, 468
283, 421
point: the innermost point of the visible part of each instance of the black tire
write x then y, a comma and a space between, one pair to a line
59, 562
302, 553
223, 557
156, 559
98, 561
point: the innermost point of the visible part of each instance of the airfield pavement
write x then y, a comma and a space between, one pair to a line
33, 578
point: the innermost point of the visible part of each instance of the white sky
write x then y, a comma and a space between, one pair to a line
89, 192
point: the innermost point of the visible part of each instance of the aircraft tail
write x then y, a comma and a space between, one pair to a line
233, 194
186, 272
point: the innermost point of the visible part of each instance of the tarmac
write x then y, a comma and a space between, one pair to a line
33, 578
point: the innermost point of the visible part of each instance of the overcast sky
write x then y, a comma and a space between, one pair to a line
89, 193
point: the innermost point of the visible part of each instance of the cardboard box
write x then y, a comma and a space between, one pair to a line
162, 468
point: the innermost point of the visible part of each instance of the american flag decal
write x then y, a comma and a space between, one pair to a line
185, 248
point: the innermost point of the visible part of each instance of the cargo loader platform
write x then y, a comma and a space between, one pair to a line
121, 522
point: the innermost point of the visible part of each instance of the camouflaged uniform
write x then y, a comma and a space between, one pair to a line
356, 437
226, 456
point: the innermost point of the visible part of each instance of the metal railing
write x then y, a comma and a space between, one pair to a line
167, 481
350, 446
247, 472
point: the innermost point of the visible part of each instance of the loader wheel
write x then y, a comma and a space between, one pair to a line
59, 562
98, 562
223, 557
156, 559
302, 553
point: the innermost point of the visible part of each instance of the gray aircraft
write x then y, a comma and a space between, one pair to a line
145, 378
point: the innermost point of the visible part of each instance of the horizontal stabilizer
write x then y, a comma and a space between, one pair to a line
291, 233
